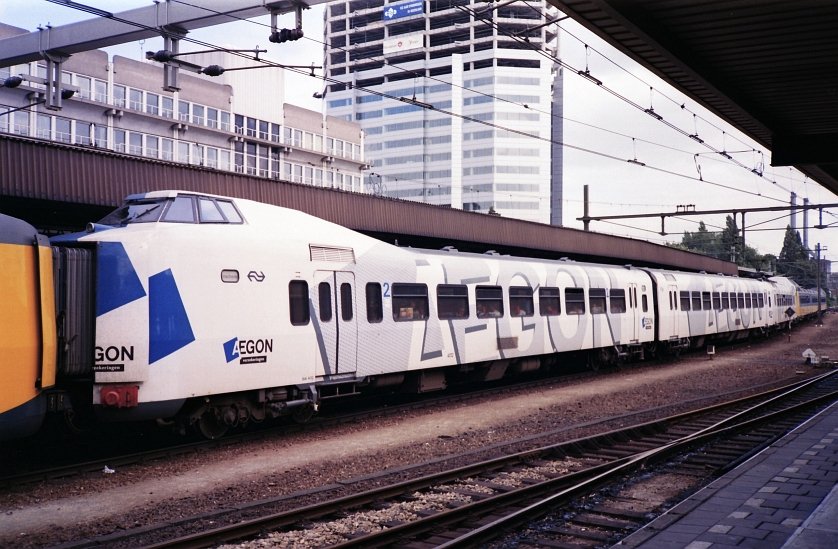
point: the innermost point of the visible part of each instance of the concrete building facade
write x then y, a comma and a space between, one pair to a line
239, 123
460, 101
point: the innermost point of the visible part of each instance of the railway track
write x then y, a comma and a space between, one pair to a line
475, 504
28, 471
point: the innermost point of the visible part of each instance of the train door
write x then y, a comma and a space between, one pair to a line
634, 313
675, 317
335, 316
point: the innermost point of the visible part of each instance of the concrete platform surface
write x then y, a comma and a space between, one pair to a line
784, 497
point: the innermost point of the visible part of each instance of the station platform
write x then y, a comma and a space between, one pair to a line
784, 497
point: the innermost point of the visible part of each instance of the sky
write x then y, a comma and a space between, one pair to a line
602, 132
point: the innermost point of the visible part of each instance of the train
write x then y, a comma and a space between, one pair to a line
207, 313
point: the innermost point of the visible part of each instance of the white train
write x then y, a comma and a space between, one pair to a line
212, 311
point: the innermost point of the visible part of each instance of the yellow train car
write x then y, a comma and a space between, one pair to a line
27, 327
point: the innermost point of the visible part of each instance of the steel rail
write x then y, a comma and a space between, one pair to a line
561, 488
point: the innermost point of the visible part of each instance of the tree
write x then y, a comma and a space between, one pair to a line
726, 245
795, 261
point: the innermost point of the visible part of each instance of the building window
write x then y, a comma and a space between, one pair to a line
212, 117
135, 99
167, 151
198, 114
135, 143
44, 128
119, 139
100, 135
83, 82
183, 111
152, 103
83, 132
100, 91
119, 96
167, 107
152, 146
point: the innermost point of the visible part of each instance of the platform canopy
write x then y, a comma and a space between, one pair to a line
768, 67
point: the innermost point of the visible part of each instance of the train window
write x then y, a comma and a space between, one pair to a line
685, 301
705, 301
346, 312
489, 301
180, 210
618, 301
410, 302
548, 301
725, 301
741, 299
230, 211
208, 212
645, 303
747, 301
520, 301
717, 301
696, 301
574, 301
733, 301
670, 301
324, 293
298, 302
597, 301
761, 300
452, 301
375, 309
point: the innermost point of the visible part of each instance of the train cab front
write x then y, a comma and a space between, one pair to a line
27, 328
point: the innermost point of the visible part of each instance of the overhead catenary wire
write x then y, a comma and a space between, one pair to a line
423, 105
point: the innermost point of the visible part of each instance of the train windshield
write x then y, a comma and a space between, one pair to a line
135, 211
180, 209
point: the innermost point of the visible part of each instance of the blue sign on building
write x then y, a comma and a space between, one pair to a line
404, 9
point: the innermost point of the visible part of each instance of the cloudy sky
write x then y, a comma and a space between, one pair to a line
602, 132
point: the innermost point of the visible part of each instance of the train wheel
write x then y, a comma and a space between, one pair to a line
303, 414
211, 426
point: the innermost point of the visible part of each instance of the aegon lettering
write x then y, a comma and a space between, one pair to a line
255, 346
114, 354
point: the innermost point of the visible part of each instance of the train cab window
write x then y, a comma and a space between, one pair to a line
410, 302
617, 298
748, 301
298, 302
706, 304
452, 301
574, 301
489, 301
717, 301
208, 212
548, 302
229, 210
596, 299
696, 301
741, 300
324, 295
180, 210
375, 309
346, 312
520, 301
685, 301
